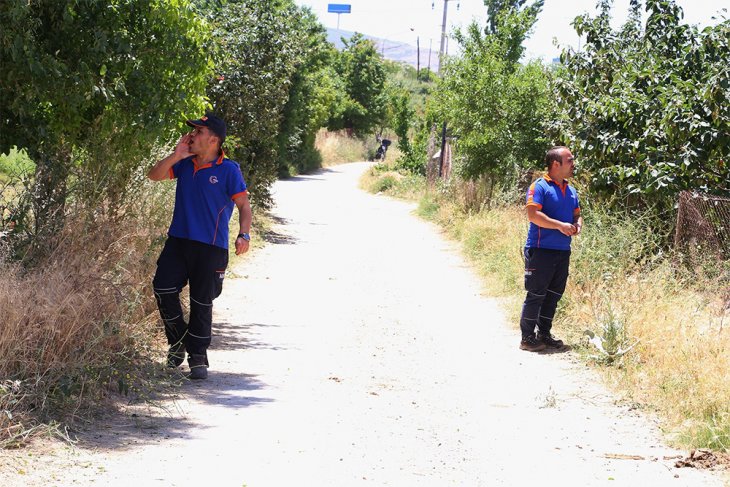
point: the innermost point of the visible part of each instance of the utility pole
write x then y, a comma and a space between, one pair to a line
418, 58
443, 36
430, 42
443, 50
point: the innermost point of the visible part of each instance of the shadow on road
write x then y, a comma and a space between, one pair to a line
227, 389
163, 418
310, 176
235, 336
277, 238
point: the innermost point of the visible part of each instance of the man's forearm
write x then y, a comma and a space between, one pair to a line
244, 217
542, 220
161, 170
578, 222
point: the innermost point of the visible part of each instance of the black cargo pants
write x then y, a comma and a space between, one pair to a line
546, 274
203, 266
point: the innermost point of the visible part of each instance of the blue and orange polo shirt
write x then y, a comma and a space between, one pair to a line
204, 199
559, 202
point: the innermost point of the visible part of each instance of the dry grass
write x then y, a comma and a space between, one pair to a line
338, 148
384, 178
76, 326
681, 363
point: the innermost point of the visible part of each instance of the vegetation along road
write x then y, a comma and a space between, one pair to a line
357, 349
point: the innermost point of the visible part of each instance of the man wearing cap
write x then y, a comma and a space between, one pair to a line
554, 214
196, 250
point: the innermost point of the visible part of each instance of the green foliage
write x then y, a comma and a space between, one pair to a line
312, 92
401, 76
363, 79
647, 108
612, 341
428, 206
495, 107
403, 115
521, 18
256, 57
15, 164
383, 183
407, 97
87, 88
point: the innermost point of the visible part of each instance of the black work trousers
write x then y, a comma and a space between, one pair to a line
203, 266
546, 274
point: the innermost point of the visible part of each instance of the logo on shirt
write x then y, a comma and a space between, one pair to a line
213, 180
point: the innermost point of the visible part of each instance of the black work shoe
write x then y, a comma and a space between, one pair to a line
198, 372
198, 366
175, 355
531, 344
549, 340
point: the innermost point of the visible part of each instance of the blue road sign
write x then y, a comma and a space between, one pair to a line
339, 8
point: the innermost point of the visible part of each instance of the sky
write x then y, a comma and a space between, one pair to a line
407, 20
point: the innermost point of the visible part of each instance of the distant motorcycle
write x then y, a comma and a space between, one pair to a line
382, 150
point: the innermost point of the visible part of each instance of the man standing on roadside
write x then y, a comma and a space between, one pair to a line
554, 214
196, 250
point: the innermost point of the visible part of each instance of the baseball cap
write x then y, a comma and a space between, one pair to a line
214, 124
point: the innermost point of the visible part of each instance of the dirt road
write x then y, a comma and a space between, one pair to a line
357, 349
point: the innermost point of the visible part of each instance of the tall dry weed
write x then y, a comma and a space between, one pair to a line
75, 326
339, 147
681, 363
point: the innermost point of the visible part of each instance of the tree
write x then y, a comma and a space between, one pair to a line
312, 92
363, 74
257, 54
496, 108
647, 107
521, 19
403, 115
90, 87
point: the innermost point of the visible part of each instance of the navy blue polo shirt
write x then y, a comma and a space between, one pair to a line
559, 202
204, 199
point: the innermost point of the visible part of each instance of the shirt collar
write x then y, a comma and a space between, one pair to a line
550, 180
218, 161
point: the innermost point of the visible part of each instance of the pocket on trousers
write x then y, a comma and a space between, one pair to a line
529, 267
218, 278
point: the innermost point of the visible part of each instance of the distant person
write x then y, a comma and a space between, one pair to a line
196, 250
554, 214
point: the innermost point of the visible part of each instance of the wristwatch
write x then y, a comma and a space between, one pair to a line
244, 236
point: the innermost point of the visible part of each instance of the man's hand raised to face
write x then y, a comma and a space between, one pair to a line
182, 149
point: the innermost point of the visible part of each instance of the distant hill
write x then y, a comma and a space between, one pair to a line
395, 51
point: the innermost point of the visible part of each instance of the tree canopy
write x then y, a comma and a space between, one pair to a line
647, 107
495, 107
363, 76
93, 86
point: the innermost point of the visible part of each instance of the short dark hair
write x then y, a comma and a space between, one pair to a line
555, 154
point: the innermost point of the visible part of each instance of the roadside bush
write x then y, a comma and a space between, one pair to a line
646, 107
75, 327
384, 182
14, 164
88, 89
